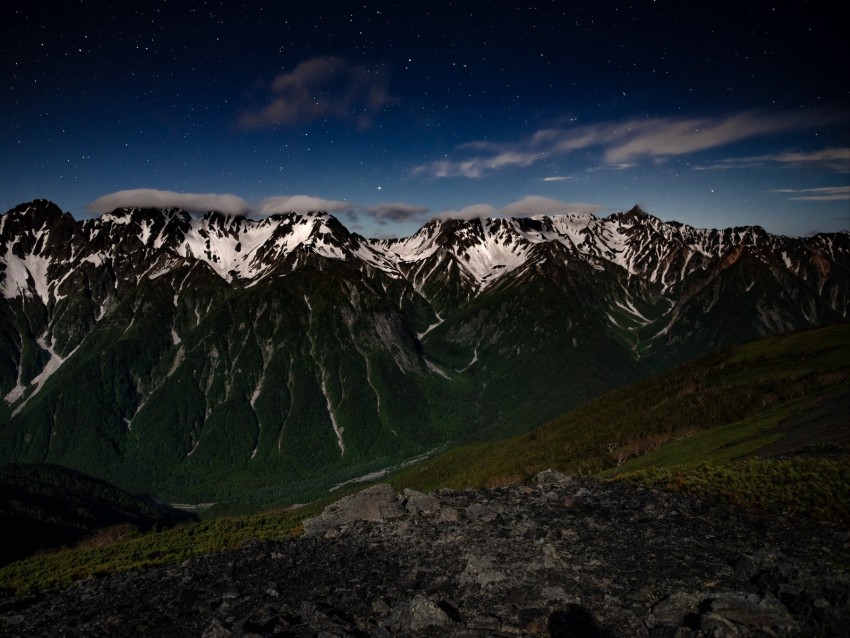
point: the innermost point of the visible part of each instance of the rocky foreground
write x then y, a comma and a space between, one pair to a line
564, 557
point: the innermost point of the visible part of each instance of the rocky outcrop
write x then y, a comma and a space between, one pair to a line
562, 557
374, 504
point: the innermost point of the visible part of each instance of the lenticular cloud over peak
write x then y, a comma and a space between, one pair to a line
152, 198
221, 203
302, 204
528, 206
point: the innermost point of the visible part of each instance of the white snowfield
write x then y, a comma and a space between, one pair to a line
244, 251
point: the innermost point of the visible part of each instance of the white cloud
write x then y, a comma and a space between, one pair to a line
323, 87
477, 167
152, 198
469, 212
227, 204
536, 205
839, 158
526, 207
397, 212
302, 204
823, 194
665, 137
833, 159
623, 143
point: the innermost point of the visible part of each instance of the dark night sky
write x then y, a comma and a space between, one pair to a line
715, 114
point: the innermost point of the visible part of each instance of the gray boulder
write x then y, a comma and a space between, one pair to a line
376, 504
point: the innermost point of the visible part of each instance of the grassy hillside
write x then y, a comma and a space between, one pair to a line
138, 550
813, 487
718, 408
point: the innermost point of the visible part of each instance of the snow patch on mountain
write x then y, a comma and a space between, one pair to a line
243, 251
52, 365
337, 428
96, 259
122, 216
629, 308
472, 362
298, 234
439, 321
19, 273
226, 249
146, 232
433, 367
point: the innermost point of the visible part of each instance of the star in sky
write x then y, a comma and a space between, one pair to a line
387, 114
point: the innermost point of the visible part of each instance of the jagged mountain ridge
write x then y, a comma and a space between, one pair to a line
243, 250
288, 347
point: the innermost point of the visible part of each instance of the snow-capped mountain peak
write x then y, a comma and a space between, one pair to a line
41, 245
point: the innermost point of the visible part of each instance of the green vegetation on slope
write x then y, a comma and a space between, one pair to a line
120, 550
727, 405
145, 550
801, 486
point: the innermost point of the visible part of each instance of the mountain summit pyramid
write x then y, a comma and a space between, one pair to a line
221, 357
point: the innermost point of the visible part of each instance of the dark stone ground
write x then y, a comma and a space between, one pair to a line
563, 557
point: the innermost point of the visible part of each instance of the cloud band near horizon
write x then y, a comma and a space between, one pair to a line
153, 198
222, 203
624, 143
381, 214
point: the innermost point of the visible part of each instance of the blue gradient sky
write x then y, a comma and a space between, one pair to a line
713, 114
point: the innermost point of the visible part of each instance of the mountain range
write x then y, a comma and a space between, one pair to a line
220, 357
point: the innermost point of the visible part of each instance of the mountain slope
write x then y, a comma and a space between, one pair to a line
726, 406
44, 506
228, 358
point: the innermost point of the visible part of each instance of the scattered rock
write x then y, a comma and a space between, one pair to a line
376, 503
447, 515
419, 503
764, 613
480, 569
216, 630
565, 557
421, 613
